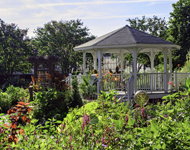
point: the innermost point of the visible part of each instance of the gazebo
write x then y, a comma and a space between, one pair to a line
129, 40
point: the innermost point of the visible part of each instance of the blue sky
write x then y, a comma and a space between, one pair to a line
100, 16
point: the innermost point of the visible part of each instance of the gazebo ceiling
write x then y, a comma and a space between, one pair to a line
126, 38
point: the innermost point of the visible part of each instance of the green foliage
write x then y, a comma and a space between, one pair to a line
74, 99
106, 123
88, 89
5, 102
11, 96
49, 104
17, 94
14, 49
186, 67
59, 39
179, 29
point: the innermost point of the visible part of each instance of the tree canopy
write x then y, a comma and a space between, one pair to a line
179, 29
14, 49
59, 39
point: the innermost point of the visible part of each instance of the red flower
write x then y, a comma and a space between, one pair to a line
178, 65
169, 82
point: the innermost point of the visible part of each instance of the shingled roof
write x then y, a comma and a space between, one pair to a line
124, 36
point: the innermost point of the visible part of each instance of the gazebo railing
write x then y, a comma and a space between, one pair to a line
150, 81
179, 78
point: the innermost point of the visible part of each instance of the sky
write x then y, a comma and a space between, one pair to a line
99, 16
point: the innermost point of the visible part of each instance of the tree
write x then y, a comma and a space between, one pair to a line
154, 26
179, 29
14, 49
59, 39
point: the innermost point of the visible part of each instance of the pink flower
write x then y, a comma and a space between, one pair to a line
70, 138
142, 112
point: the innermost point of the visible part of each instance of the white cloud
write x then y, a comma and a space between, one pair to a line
95, 2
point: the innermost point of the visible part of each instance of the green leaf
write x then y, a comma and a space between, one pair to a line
131, 122
118, 124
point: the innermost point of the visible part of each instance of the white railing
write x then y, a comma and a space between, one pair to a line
179, 78
130, 89
150, 81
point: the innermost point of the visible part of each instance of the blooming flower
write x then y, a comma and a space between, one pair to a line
169, 82
103, 145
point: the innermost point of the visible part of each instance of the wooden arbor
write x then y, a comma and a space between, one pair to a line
44, 65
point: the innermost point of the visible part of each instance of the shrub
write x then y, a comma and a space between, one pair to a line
50, 104
5, 102
74, 99
17, 94
88, 89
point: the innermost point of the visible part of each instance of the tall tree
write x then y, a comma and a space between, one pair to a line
154, 26
179, 29
14, 49
59, 39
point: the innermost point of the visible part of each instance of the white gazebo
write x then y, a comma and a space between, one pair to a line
129, 40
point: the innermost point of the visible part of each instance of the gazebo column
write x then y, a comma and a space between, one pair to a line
99, 54
94, 54
170, 68
165, 71
152, 77
134, 54
84, 63
121, 57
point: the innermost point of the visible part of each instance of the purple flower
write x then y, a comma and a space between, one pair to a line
166, 116
103, 145
34, 132
57, 140
148, 116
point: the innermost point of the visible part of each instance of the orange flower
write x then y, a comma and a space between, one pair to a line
108, 62
178, 65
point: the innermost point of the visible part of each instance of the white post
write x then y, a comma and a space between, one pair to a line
152, 79
84, 63
121, 57
95, 60
159, 80
165, 71
134, 54
175, 80
99, 54
170, 68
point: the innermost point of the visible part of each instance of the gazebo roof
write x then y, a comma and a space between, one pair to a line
125, 37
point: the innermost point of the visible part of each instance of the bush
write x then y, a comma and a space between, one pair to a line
5, 102
17, 94
74, 99
50, 104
